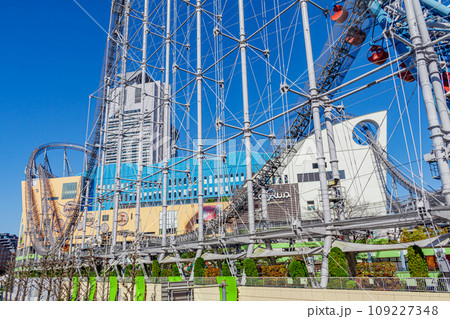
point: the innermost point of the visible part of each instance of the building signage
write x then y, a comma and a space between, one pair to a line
122, 219
104, 228
272, 194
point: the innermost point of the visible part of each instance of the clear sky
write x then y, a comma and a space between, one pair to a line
51, 58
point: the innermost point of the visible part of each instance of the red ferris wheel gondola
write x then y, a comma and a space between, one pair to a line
377, 55
339, 14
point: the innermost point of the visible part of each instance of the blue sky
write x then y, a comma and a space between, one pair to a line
51, 61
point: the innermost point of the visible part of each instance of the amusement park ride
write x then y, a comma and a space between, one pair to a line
247, 68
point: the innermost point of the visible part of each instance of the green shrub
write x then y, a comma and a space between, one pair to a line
274, 271
337, 263
175, 270
351, 285
297, 268
199, 267
212, 272
156, 269
250, 268
166, 272
225, 269
417, 263
376, 269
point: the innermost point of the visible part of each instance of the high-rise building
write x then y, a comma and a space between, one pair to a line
153, 122
8, 245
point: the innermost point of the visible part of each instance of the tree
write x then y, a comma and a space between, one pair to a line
250, 268
297, 268
225, 269
175, 271
199, 267
337, 263
156, 269
420, 233
417, 263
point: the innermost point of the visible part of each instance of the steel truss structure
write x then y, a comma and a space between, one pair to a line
186, 48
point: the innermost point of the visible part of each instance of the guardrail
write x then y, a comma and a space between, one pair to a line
357, 283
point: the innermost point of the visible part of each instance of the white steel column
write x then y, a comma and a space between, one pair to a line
141, 122
435, 129
100, 190
166, 127
247, 131
104, 136
123, 80
199, 120
434, 69
265, 212
315, 107
331, 142
85, 212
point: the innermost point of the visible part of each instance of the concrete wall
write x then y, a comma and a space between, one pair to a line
152, 292
280, 294
207, 294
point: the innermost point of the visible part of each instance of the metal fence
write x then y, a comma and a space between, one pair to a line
358, 283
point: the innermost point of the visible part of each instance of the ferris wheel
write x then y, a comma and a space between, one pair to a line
235, 89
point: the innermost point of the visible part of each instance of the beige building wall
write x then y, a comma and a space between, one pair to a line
292, 294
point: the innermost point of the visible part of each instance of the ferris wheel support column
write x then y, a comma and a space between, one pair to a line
315, 106
199, 120
437, 136
141, 123
434, 70
247, 130
117, 180
166, 129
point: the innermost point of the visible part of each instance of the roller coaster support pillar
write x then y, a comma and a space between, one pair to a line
166, 126
199, 120
434, 69
100, 190
85, 212
315, 107
433, 120
117, 179
247, 130
265, 213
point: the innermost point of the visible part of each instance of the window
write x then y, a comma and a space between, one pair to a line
195, 192
105, 218
314, 177
137, 95
171, 222
310, 205
69, 190
242, 177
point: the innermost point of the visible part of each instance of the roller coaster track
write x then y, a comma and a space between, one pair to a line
42, 229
